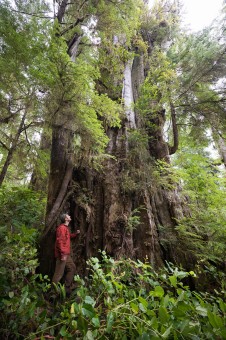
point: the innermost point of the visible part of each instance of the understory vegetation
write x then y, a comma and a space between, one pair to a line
121, 299
117, 299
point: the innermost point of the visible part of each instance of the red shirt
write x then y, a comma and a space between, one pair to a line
63, 243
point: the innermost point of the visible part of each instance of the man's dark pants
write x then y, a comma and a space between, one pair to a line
61, 267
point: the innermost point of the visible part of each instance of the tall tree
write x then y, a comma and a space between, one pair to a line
22, 46
109, 79
74, 104
200, 63
125, 220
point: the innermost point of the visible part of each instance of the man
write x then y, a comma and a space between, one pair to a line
64, 261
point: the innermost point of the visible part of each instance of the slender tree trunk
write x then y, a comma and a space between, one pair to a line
61, 166
60, 176
219, 140
39, 182
222, 149
12, 149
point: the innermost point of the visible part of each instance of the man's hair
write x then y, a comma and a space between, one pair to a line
62, 218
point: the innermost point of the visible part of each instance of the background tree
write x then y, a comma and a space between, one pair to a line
22, 46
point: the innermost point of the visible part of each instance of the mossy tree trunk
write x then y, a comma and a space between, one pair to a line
137, 221
122, 208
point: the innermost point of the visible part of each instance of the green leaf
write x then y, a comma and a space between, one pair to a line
74, 308
181, 308
118, 285
110, 321
201, 310
89, 336
163, 314
134, 307
150, 312
165, 301
192, 273
11, 295
181, 295
173, 280
154, 323
167, 332
120, 301
88, 310
143, 301
63, 331
184, 326
142, 308
89, 300
82, 324
96, 322
222, 306
74, 324
219, 321
159, 291
214, 319
181, 274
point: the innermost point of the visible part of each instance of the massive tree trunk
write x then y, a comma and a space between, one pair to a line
136, 222
106, 214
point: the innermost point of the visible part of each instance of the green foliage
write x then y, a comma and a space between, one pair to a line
121, 299
204, 184
139, 167
165, 176
20, 206
134, 219
21, 290
118, 18
196, 56
23, 43
163, 23
200, 63
117, 23
129, 300
142, 172
73, 101
40, 81
158, 85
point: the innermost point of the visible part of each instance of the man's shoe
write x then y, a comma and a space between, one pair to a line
68, 291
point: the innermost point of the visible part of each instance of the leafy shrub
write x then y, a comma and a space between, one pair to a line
21, 290
129, 300
120, 299
203, 230
20, 206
